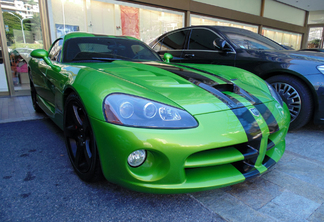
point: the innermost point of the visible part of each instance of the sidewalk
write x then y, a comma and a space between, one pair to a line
13, 109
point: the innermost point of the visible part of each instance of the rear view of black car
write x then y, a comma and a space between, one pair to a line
298, 76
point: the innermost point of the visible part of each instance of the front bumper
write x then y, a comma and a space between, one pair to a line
217, 153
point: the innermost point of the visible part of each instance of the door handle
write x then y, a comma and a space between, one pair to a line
189, 55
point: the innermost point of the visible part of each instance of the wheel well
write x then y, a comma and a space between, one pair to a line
301, 79
67, 92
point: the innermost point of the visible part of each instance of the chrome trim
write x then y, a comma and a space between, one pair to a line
190, 29
205, 50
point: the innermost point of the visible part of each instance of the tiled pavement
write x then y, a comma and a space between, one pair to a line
13, 109
293, 190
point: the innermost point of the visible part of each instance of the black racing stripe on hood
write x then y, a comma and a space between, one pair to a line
250, 125
215, 92
261, 107
244, 115
209, 73
268, 117
186, 74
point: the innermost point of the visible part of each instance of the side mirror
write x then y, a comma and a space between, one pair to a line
219, 43
167, 57
43, 54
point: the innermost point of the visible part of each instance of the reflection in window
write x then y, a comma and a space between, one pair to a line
287, 39
105, 49
142, 22
245, 42
250, 40
23, 34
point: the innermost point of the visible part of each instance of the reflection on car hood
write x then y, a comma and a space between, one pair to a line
290, 54
196, 91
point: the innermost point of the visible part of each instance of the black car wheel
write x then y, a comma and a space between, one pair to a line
297, 97
80, 141
34, 98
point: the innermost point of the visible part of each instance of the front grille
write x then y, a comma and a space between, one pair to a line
241, 156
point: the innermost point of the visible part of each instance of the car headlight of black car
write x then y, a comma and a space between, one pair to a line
275, 94
128, 110
321, 68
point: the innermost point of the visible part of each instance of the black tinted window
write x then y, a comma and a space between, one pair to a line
104, 48
249, 40
202, 39
174, 41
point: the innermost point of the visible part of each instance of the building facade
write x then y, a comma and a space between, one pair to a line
30, 24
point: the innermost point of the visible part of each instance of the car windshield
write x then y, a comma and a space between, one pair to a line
103, 49
250, 40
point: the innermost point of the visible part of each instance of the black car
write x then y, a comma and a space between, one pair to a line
297, 76
313, 50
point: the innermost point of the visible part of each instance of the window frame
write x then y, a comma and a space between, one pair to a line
233, 51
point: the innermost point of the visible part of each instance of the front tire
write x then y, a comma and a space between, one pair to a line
80, 141
297, 97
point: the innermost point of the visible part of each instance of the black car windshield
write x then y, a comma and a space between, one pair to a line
249, 40
87, 49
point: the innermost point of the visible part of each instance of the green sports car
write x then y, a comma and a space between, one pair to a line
151, 126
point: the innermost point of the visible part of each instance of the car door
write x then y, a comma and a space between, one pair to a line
52, 76
202, 49
173, 43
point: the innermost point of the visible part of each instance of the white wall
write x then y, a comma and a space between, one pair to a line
281, 12
247, 6
316, 17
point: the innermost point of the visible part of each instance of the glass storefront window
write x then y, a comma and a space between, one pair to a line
287, 39
23, 34
315, 38
202, 20
111, 18
3, 80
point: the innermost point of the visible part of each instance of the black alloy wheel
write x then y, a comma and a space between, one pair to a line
34, 97
297, 97
80, 141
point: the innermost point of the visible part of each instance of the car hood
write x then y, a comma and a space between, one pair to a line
191, 89
290, 55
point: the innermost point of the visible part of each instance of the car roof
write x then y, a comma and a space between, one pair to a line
213, 27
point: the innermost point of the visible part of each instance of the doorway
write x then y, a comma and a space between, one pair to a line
21, 30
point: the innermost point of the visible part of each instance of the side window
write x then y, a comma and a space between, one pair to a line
55, 52
202, 39
247, 42
174, 41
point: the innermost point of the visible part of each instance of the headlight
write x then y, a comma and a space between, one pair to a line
321, 68
275, 94
135, 111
